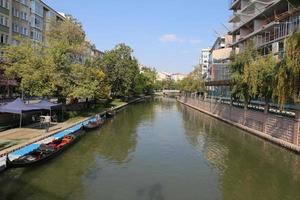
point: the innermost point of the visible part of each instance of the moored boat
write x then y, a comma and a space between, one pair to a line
110, 113
93, 125
44, 152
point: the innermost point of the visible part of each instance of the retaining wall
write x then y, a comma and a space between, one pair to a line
278, 129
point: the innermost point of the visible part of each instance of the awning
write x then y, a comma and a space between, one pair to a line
47, 105
18, 107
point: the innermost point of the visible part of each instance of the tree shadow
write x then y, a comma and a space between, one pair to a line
153, 192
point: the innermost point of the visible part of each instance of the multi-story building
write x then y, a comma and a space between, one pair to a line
219, 60
265, 22
204, 63
165, 76
25, 18
5, 10
177, 76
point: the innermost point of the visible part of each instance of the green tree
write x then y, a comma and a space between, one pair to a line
56, 67
260, 77
193, 82
121, 69
239, 80
288, 75
26, 63
145, 81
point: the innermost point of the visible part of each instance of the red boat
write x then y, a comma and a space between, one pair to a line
44, 152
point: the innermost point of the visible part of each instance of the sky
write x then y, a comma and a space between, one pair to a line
165, 34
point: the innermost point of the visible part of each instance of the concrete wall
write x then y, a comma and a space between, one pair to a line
281, 130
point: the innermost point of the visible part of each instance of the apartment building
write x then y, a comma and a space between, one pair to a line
25, 18
165, 76
265, 22
5, 7
204, 63
219, 60
29, 19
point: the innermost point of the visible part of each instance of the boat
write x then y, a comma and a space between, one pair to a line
110, 113
93, 125
44, 152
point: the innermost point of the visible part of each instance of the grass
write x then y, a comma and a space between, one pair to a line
117, 102
75, 116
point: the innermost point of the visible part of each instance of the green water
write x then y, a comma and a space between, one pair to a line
161, 150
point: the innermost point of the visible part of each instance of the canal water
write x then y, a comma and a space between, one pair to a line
161, 150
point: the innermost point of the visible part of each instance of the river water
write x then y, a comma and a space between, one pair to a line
161, 150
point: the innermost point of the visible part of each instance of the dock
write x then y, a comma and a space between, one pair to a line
20, 139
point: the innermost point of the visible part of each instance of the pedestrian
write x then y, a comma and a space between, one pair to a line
47, 122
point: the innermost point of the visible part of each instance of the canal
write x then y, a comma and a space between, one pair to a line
161, 150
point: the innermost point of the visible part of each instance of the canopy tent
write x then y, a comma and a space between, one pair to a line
47, 105
18, 107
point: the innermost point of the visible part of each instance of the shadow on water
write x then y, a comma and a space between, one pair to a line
62, 177
248, 167
153, 192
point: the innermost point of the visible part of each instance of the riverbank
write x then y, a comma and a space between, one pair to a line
29, 136
278, 130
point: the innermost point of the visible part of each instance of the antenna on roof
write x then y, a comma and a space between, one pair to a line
226, 27
217, 33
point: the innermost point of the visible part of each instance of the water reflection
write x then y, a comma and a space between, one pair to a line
62, 178
249, 168
161, 150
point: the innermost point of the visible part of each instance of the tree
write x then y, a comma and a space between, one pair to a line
193, 82
121, 69
260, 77
240, 82
26, 63
288, 75
57, 67
145, 81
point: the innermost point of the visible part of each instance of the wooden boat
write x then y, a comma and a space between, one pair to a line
44, 152
93, 125
110, 113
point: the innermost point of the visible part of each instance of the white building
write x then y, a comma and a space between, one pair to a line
163, 76
204, 63
177, 76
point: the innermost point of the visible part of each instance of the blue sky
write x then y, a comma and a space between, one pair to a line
165, 34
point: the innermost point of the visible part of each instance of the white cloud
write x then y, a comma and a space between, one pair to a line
195, 41
171, 38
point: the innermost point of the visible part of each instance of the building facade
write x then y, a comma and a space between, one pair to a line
219, 60
264, 22
25, 18
204, 63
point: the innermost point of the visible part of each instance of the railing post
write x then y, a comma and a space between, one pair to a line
266, 115
296, 132
230, 108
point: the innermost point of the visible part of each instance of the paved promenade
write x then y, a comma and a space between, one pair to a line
20, 137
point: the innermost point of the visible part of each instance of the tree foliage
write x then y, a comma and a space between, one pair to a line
240, 77
121, 69
145, 81
288, 76
193, 82
56, 67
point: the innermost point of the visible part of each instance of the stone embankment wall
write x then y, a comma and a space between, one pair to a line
278, 129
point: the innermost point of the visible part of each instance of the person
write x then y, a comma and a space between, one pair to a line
47, 122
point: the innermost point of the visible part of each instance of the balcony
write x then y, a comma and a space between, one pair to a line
234, 4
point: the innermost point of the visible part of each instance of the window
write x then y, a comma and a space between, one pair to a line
15, 27
3, 20
4, 39
4, 4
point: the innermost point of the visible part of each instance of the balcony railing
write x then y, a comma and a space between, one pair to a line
279, 32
